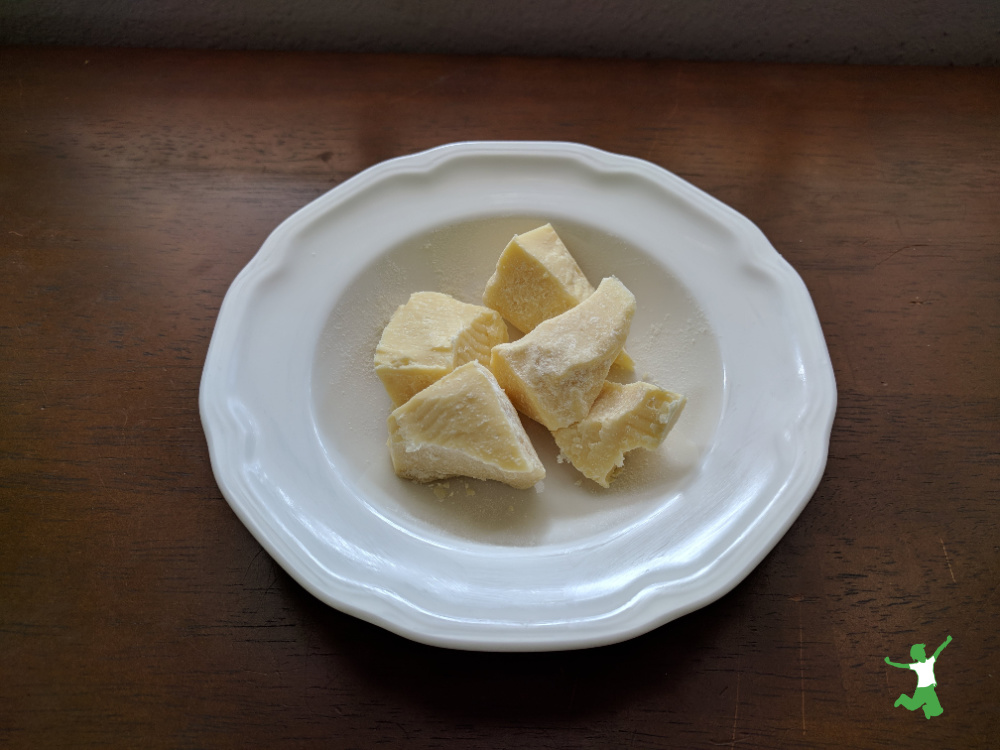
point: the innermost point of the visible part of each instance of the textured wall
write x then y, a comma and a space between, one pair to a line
935, 32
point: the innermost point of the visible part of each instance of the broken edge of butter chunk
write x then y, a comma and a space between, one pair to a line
428, 337
463, 425
623, 418
554, 373
537, 278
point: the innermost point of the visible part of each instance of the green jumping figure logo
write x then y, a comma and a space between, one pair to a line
924, 696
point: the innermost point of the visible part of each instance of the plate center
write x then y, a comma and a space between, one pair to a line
670, 341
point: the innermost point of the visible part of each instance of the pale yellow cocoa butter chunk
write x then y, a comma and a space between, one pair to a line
537, 278
554, 373
462, 425
622, 419
430, 336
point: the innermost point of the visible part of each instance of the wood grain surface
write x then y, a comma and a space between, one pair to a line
137, 611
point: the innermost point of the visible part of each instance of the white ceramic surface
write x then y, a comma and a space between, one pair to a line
295, 417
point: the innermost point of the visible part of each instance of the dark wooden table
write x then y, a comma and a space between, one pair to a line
136, 610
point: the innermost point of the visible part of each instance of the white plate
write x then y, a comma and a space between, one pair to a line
295, 417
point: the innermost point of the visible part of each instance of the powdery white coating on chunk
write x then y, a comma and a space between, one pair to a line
537, 278
462, 425
623, 418
554, 373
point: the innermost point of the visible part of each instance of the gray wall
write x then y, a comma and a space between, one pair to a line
931, 32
